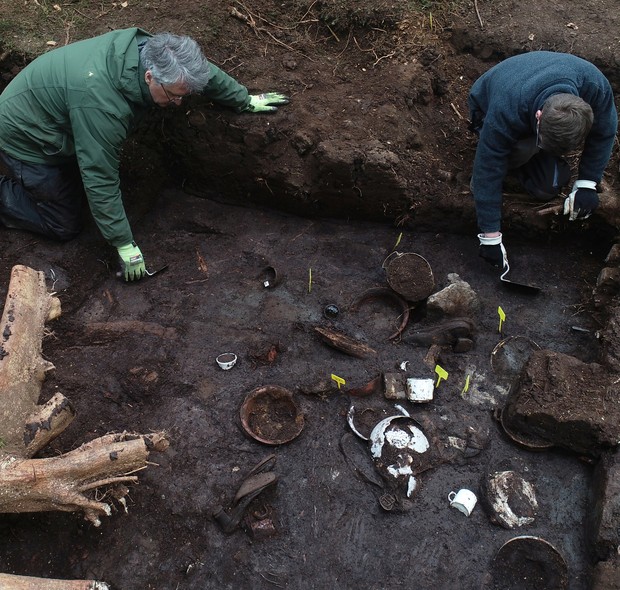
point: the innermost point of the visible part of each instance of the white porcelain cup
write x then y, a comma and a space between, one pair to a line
226, 360
464, 500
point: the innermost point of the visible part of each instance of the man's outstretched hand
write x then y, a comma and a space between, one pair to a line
493, 251
132, 262
582, 200
266, 103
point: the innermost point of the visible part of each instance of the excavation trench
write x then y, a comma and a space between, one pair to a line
370, 158
142, 357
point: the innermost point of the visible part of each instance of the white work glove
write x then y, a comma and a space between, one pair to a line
582, 200
493, 251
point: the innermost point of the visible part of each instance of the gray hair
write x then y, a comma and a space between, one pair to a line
565, 122
174, 59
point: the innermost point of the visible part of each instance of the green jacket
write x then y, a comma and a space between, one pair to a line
81, 101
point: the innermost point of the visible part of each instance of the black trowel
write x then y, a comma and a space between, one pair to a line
513, 286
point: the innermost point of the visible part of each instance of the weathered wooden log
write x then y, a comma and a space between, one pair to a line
22, 367
9, 582
60, 483
46, 423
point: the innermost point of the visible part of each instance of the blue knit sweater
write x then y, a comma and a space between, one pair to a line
504, 101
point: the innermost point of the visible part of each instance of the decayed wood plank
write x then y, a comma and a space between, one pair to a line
9, 582
22, 367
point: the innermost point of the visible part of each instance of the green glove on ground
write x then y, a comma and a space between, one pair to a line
132, 262
265, 103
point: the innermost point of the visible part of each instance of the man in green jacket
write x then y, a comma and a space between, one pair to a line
64, 117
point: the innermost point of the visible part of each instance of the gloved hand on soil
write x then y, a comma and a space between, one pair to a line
582, 200
493, 251
132, 262
266, 103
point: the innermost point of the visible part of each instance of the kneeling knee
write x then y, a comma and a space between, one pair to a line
64, 234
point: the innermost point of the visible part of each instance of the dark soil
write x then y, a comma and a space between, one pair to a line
372, 156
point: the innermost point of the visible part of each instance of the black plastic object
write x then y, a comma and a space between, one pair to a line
519, 287
331, 311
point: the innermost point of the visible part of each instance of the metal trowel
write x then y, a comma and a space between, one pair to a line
148, 273
513, 286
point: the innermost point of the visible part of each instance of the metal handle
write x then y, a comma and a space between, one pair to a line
395, 253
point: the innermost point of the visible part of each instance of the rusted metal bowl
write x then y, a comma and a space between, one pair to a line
528, 563
270, 415
410, 275
522, 439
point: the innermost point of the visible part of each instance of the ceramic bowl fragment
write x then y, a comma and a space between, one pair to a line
362, 420
528, 563
511, 499
270, 415
420, 390
396, 445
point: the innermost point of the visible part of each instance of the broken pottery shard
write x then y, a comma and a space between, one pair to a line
359, 459
511, 500
394, 386
344, 343
420, 390
371, 387
399, 449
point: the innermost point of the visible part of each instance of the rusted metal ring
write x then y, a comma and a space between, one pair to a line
385, 293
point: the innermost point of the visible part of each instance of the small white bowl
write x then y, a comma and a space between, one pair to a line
226, 360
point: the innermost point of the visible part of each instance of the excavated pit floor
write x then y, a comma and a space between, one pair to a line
331, 530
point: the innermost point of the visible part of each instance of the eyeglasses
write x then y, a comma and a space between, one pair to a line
171, 96
538, 141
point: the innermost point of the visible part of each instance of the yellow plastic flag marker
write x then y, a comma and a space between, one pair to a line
502, 317
441, 374
466, 387
400, 237
338, 380
309, 280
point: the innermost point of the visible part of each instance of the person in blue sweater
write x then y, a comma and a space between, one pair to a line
529, 111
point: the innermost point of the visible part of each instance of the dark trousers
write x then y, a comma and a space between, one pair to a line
42, 199
541, 174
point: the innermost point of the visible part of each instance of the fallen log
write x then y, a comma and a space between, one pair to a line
22, 367
8, 581
61, 483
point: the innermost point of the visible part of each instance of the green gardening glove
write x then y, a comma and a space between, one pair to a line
266, 103
132, 262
